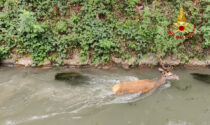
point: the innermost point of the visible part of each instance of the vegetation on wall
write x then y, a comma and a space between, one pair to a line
99, 29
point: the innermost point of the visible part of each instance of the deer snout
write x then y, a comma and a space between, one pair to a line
172, 77
176, 77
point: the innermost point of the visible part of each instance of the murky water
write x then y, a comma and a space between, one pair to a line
33, 97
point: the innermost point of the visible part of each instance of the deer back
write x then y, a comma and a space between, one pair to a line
134, 86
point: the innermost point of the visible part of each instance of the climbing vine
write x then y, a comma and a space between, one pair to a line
98, 29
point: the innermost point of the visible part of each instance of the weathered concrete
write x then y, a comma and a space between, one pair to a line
173, 60
46, 63
196, 62
25, 61
125, 63
146, 60
75, 60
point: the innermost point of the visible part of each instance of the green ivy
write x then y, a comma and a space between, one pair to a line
205, 28
99, 29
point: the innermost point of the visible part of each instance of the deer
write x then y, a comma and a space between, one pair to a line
145, 85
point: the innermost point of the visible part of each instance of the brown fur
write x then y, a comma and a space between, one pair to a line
134, 86
143, 85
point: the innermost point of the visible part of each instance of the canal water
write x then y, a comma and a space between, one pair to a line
32, 96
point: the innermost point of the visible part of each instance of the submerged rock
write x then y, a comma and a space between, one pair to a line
201, 77
71, 77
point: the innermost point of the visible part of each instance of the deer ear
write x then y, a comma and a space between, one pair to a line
160, 69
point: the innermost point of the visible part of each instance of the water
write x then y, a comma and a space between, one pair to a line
33, 97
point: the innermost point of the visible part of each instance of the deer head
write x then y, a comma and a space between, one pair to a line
166, 72
168, 75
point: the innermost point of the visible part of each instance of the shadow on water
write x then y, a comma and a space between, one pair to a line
201, 77
72, 78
